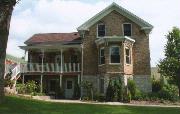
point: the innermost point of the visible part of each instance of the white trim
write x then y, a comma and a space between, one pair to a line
110, 55
98, 30
102, 48
142, 23
123, 29
129, 56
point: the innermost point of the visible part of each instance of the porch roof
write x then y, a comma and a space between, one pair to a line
105, 39
49, 47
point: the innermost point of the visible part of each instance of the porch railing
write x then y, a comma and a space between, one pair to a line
50, 67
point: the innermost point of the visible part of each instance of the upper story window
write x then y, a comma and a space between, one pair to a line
101, 56
127, 29
128, 55
114, 54
101, 30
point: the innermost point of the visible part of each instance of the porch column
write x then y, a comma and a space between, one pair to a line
42, 61
41, 86
60, 81
61, 61
23, 79
78, 79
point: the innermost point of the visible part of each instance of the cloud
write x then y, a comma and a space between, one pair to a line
41, 16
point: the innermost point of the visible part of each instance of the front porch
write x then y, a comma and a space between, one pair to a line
62, 86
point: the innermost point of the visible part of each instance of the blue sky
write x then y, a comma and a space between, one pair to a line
42, 16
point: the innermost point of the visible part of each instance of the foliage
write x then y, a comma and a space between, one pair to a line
88, 86
118, 85
126, 95
31, 87
132, 87
157, 85
7, 81
169, 92
60, 93
110, 91
21, 88
170, 65
77, 91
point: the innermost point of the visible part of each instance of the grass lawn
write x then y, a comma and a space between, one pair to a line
15, 105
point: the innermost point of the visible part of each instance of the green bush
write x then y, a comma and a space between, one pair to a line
21, 88
157, 85
169, 92
119, 89
77, 91
31, 87
110, 91
88, 87
132, 88
126, 95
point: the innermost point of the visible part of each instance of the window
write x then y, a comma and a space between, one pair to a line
101, 30
74, 58
101, 85
114, 54
128, 56
127, 29
102, 57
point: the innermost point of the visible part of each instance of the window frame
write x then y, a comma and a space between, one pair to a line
100, 56
98, 30
130, 62
110, 55
123, 28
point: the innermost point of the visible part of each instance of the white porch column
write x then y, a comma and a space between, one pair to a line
79, 79
41, 86
42, 61
23, 79
60, 80
61, 61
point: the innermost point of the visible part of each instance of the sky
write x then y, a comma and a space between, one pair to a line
54, 16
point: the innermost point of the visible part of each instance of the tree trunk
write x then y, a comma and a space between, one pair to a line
5, 17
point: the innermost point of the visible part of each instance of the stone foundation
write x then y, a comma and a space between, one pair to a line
143, 82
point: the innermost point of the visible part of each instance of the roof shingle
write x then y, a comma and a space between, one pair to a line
53, 37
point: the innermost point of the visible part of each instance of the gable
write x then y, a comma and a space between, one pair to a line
114, 7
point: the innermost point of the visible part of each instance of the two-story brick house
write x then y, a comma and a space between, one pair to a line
114, 43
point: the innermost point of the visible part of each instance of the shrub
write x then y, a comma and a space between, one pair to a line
132, 88
31, 87
156, 85
126, 95
77, 91
119, 90
110, 91
21, 88
88, 86
169, 92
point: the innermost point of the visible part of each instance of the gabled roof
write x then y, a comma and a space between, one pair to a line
53, 38
143, 24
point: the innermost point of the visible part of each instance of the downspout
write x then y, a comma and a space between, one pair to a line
82, 53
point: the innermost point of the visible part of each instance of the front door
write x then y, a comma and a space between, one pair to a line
69, 88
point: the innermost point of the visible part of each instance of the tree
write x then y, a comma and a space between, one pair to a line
170, 65
6, 8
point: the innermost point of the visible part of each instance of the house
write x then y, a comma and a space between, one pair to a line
112, 44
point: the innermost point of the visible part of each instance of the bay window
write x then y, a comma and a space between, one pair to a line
114, 54
128, 55
101, 56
